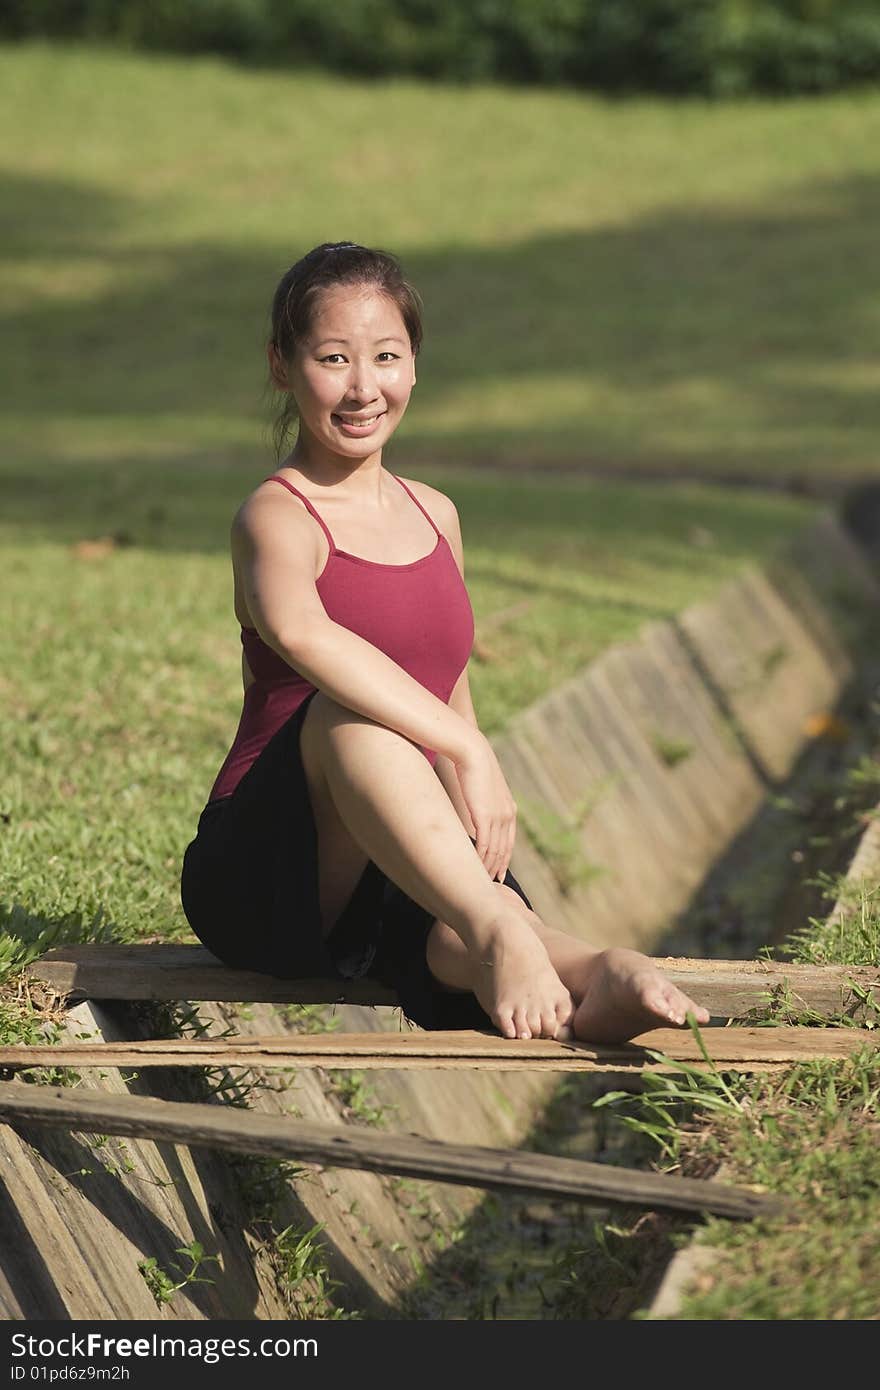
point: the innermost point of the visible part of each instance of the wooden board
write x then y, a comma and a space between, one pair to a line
730, 988
737, 1049
727, 989
223, 1127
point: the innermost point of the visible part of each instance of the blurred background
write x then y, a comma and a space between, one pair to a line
645, 235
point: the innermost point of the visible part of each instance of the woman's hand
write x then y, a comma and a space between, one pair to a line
490, 804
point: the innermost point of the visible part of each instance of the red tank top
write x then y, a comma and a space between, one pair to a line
418, 614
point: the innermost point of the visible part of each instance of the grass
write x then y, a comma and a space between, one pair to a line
813, 1137
648, 284
809, 1134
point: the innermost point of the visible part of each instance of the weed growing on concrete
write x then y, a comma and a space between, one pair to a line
670, 751
358, 1098
305, 1279
309, 1018
558, 840
164, 1286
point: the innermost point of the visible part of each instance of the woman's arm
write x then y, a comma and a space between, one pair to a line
459, 700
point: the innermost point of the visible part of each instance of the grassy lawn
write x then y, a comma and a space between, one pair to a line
619, 284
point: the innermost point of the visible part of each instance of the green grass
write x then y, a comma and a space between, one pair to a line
809, 1134
639, 284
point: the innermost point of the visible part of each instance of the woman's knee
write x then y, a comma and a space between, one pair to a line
323, 718
331, 727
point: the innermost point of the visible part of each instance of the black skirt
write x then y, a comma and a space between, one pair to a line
249, 890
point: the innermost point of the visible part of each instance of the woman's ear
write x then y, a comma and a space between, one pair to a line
277, 367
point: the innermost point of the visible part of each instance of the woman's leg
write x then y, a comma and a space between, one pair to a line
373, 791
374, 795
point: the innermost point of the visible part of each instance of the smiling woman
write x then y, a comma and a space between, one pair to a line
303, 309
361, 821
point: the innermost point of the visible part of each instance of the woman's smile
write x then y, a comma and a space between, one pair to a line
357, 426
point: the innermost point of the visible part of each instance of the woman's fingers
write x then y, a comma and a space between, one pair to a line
508, 849
493, 861
492, 811
482, 828
505, 853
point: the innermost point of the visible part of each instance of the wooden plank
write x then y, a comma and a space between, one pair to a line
738, 1049
185, 972
731, 988
223, 1127
727, 988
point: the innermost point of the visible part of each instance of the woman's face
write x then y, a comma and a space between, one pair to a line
352, 377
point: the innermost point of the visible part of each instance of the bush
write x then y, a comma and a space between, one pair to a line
713, 47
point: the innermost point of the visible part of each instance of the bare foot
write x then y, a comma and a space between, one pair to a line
625, 995
518, 987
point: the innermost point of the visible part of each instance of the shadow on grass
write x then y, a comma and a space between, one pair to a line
767, 306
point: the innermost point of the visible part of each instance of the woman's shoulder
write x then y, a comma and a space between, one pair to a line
441, 507
267, 509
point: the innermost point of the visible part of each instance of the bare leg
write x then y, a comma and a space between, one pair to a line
387, 798
617, 993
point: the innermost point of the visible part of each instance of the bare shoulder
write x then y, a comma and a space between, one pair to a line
441, 507
267, 508
274, 527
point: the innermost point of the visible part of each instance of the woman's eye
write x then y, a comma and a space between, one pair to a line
392, 355
331, 355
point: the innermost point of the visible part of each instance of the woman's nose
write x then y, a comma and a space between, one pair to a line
362, 384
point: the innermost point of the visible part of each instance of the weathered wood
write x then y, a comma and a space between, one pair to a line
185, 972
731, 988
222, 1127
736, 1049
727, 988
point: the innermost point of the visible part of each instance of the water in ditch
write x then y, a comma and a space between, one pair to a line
523, 1258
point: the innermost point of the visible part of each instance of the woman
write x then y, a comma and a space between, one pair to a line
361, 822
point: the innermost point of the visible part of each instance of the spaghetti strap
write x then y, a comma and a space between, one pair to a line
274, 478
418, 504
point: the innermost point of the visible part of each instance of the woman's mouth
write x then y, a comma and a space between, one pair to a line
357, 426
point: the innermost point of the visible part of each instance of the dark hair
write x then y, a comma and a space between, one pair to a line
325, 267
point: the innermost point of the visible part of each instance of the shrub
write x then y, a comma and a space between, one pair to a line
711, 47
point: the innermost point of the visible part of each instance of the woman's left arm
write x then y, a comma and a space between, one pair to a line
460, 700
